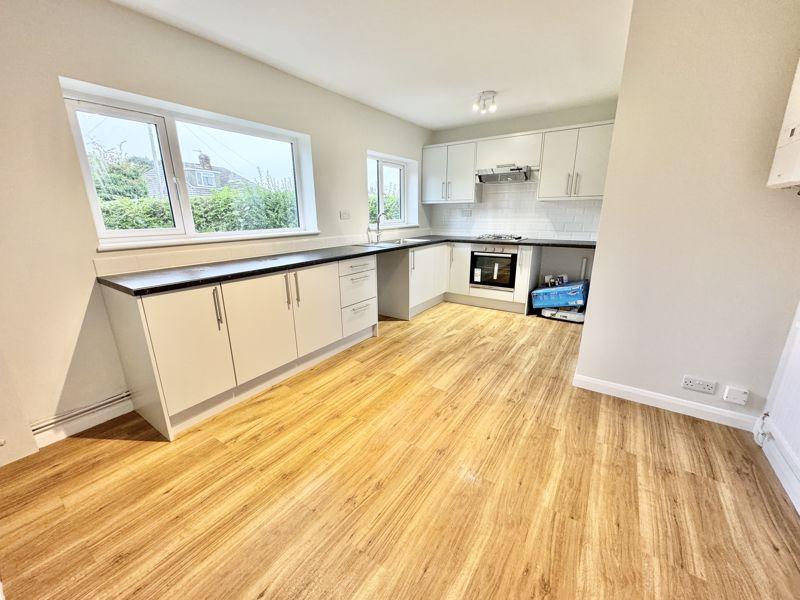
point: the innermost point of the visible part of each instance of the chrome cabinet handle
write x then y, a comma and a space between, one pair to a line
297, 287
362, 278
569, 183
413, 260
357, 309
288, 296
451, 254
442, 190
577, 184
359, 266
449, 189
217, 311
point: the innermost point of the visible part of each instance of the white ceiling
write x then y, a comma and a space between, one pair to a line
425, 61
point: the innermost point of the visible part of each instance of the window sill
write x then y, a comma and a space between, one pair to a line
123, 244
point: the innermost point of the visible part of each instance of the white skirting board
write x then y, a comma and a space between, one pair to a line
62, 426
785, 463
685, 407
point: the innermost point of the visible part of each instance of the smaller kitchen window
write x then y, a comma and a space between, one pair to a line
386, 191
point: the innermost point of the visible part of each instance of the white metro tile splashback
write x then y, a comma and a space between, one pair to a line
513, 208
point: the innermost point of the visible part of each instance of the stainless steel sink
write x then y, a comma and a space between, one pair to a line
395, 243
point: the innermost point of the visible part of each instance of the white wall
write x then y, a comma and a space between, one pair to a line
697, 266
513, 208
496, 125
57, 343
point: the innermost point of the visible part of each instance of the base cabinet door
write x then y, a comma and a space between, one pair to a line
418, 283
428, 273
317, 307
460, 255
441, 275
189, 336
260, 324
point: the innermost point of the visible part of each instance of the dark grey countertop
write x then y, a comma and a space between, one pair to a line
164, 280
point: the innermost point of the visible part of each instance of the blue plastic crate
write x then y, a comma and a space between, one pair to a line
569, 294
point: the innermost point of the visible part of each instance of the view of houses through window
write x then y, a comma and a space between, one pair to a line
237, 182
234, 181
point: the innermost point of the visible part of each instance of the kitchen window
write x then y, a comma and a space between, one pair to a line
391, 190
162, 174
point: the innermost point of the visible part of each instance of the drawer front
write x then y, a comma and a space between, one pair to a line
358, 287
508, 296
356, 265
359, 316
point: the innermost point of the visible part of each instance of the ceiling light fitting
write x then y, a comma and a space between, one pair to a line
485, 102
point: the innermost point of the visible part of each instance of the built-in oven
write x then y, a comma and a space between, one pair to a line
493, 268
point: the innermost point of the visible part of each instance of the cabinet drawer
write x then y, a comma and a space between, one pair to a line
356, 265
507, 296
358, 287
359, 316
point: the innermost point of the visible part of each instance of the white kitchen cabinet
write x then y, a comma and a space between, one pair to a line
429, 267
260, 324
434, 174
448, 173
558, 163
519, 150
359, 316
574, 162
317, 307
458, 279
461, 172
591, 160
357, 265
358, 287
190, 345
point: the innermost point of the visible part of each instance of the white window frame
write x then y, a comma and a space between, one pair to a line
381, 163
74, 106
409, 194
200, 177
93, 98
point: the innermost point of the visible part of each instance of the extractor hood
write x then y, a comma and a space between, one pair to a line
505, 174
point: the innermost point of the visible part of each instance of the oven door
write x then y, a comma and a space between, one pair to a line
493, 270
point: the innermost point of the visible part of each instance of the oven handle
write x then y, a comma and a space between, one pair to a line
496, 254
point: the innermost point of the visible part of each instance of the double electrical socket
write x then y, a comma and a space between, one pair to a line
699, 385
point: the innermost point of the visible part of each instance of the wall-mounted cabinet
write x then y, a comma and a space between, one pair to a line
518, 149
448, 173
574, 162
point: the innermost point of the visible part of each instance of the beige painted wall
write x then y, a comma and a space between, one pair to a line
601, 111
57, 344
697, 269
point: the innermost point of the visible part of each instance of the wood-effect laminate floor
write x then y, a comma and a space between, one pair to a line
448, 458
